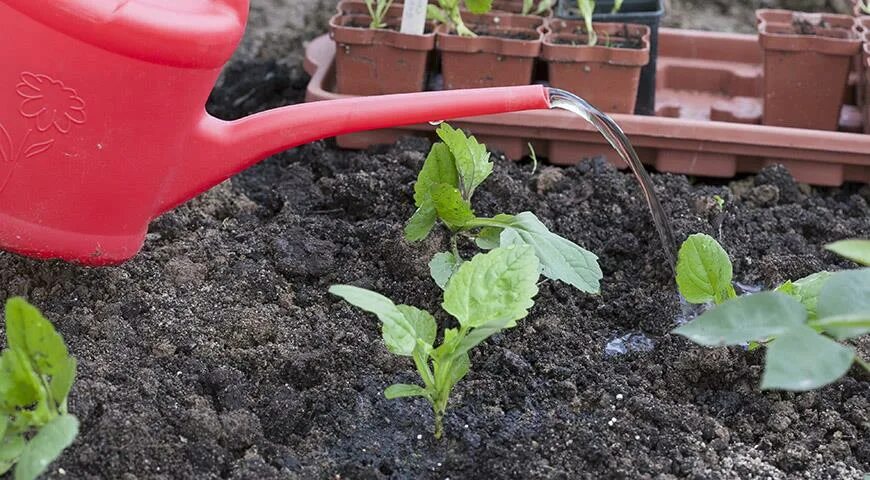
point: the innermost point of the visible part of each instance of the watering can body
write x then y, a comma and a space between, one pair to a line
103, 125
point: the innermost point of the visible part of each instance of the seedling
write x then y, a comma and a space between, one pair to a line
447, 12
587, 10
36, 374
453, 170
864, 6
378, 11
486, 295
800, 322
543, 6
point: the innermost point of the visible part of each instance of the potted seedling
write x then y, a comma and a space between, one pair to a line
634, 12
542, 8
807, 59
372, 56
480, 49
601, 62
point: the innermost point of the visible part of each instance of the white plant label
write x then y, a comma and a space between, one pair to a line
414, 17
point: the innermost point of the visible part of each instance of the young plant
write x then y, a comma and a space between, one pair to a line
543, 6
486, 295
447, 12
864, 6
453, 170
36, 374
587, 9
378, 12
800, 322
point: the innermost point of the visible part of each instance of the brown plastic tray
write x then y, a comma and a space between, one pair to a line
708, 112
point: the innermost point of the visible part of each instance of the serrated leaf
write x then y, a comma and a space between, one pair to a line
857, 250
439, 168
46, 446
30, 332
471, 158
401, 390
806, 290
442, 266
452, 209
801, 359
401, 327
478, 6
498, 285
846, 293
704, 270
560, 259
741, 320
421, 223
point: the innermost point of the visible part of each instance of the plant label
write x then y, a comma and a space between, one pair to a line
414, 17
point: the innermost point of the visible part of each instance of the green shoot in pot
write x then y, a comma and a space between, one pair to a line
378, 11
587, 10
486, 295
543, 6
453, 170
799, 322
36, 375
447, 12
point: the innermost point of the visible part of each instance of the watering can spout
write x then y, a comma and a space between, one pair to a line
219, 149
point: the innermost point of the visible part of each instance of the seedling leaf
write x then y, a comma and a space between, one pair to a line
704, 270
442, 266
471, 157
422, 322
846, 293
401, 390
10, 449
29, 332
800, 359
806, 291
439, 167
46, 446
478, 6
560, 259
498, 285
19, 385
744, 319
421, 223
452, 209
857, 250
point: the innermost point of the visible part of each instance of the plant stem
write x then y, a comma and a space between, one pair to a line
862, 362
454, 247
439, 425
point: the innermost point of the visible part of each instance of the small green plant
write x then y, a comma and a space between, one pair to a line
378, 12
587, 10
864, 6
36, 374
799, 322
486, 295
447, 12
453, 170
543, 6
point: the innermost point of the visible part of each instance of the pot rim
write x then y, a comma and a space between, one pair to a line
634, 57
775, 32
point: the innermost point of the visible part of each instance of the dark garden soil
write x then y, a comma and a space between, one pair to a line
217, 353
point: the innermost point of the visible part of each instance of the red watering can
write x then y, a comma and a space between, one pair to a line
103, 124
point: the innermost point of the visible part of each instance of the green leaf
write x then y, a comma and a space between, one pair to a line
478, 6
459, 368
560, 259
846, 293
744, 319
439, 167
400, 390
806, 291
62, 380
857, 250
478, 335
704, 270
489, 237
10, 449
436, 14
471, 157
801, 359
28, 331
421, 223
4, 423
498, 285
401, 327
452, 209
19, 384
442, 266
859, 321
46, 446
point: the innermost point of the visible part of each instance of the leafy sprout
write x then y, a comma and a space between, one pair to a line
486, 295
543, 6
587, 10
800, 322
378, 11
448, 13
36, 375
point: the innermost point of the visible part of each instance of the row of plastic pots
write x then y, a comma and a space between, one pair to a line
382, 61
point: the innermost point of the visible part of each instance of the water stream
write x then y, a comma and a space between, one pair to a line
618, 140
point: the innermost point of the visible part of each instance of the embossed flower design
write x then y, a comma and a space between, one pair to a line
50, 103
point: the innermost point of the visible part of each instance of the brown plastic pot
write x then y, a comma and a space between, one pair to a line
381, 61
807, 59
502, 55
606, 76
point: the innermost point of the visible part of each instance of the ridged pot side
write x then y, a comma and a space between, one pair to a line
807, 58
606, 76
378, 61
502, 55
